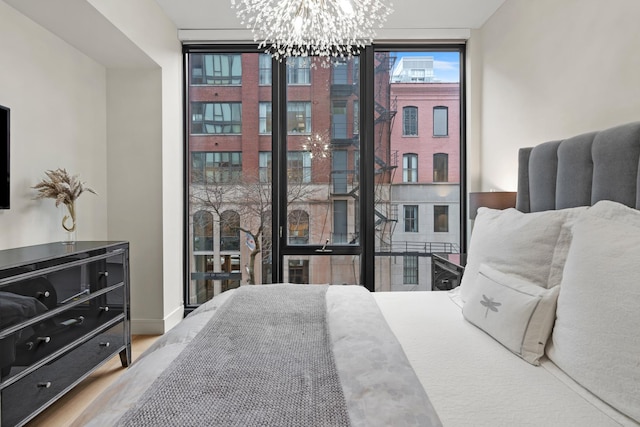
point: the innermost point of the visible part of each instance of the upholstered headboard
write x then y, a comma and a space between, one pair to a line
581, 170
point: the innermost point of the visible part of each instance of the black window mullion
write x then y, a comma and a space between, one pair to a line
279, 167
367, 161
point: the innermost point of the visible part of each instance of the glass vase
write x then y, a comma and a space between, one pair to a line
68, 223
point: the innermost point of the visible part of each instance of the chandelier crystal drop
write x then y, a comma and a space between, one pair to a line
325, 28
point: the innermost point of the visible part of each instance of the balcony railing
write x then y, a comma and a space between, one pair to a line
419, 248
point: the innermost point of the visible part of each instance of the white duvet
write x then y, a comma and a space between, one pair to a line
474, 381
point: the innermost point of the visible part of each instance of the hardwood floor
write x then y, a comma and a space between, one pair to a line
64, 411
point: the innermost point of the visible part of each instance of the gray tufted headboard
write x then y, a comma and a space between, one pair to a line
581, 170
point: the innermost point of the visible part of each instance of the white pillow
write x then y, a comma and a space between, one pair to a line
596, 338
530, 245
517, 313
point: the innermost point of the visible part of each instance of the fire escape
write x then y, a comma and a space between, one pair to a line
386, 161
344, 180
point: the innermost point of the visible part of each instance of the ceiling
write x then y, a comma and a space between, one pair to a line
408, 14
82, 26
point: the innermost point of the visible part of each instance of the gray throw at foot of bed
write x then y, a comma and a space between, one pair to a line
263, 359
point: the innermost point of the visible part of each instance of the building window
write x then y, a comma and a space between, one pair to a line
411, 219
410, 168
215, 168
340, 72
410, 269
264, 117
410, 121
356, 117
216, 117
298, 227
299, 167
299, 117
299, 271
216, 69
299, 70
339, 221
265, 166
440, 121
229, 231
202, 231
441, 219
440, 167
339, 119
340, 171
264, 69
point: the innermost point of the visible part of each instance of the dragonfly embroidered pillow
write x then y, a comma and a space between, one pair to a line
515, 312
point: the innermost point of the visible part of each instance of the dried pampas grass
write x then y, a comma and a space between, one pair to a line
65, 189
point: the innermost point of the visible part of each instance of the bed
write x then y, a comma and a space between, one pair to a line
541, 331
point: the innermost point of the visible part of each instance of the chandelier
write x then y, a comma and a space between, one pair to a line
326, 28
318, 146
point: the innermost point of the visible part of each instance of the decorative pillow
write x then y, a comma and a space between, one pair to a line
515, 312
530, 245
595, 339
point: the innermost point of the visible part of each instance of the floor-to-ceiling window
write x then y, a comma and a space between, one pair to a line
418, 138
289, 172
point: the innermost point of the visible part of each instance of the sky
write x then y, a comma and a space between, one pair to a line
446, 65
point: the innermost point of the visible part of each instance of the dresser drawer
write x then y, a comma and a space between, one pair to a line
61, 327
73, 281
41, 387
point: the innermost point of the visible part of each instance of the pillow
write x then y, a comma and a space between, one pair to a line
595, 339
517, 313
530, 245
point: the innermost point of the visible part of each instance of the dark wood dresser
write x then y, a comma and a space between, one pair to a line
64, 311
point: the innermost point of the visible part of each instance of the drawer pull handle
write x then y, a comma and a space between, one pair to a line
105, 344
104, 308
44, 294
44, 384
104, 273
43, 339
76, 321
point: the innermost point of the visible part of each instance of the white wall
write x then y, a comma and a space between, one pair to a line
134, 168
57, 97
549, 70
146, 25
118, 126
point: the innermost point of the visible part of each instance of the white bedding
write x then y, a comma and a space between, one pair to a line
472, 380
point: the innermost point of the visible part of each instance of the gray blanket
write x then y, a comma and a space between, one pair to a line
263, 359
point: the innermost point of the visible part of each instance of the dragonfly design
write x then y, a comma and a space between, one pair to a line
490, 304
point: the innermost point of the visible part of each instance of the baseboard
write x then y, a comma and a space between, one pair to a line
157, 326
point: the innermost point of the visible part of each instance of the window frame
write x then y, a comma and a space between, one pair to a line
410, 269
368, 155
235, 108
409, 167
411, 217
412, 118
440, 167
439, 227
436, 120
217, 75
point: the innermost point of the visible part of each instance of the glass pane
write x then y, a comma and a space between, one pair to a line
333, 269
230, 173
417, 171
323, 152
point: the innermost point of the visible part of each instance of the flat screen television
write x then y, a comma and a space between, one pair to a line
4, 157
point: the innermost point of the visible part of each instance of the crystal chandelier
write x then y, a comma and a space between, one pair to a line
326, 28
318, 146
